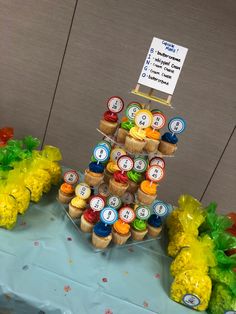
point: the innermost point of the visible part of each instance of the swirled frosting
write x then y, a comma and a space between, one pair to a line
102, 230
154, 221
134, 176
67, 188
137, 133
96, 167
121, 227
78, 202
153, 134
170, 138
91, 216
120, 177
110, 116
112, 167
127, 125
139, 224
148, 188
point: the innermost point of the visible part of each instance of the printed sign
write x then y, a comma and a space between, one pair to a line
97, 203
142, 212
157, 161
103, 189
177, 125
132, 109
116, 153
125, 163
127, 214
143, 119
160, 208
155, 173
159, 120
108, 215
163, 65
114, 201
191, 300
101, 153
71, 177
115, 104
83, 191
128, 198
140, 164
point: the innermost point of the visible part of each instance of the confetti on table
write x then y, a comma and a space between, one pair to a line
108, 311
52, 219
126, 273
25, 267
23, 224
157, 276
104, 279
145, 304
70, 261
130, 249
67, 288
69, 239
36, 243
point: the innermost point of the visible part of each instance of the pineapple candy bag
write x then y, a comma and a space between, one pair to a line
51, 156
38, 168
8, 211
222, 300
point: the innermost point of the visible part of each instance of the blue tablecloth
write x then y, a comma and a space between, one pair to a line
46, 267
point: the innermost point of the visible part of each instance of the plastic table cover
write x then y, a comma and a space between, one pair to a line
47, 268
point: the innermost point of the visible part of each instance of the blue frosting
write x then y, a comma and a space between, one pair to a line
95, 167
102, 230
170, 138
154, 221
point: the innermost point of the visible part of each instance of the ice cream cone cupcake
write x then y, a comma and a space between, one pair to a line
154, 226
168, 144
94, 174
147, 192
134, 179
76, 207
138, 229
120, 232
135, 141
108, 124
124, 129
152, 140
111, 168
101, 236
118, 185
89, 219
66, 193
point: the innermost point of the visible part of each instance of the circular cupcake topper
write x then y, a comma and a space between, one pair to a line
127, 214
114, 201
159, 120
140, 164
103, 189
142, 212
108, 215
97, 203
191, 300
127, 198
160, 208
83, 191
101, 153
143, 118
125, 163
158, 161
71, 177
116, 153
106, 144
230, 312
177, 125
132, 109
155, 173
115, 104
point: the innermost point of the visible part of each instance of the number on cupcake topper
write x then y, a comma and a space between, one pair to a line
116, 153
177, 125
142, 212
103, 189
115, 104
157, 161
125, 163
143, 119
101, 153
155, 173
114, 201
140, 164
97, 203
132, 109
159, 120
160, 208
127, 198
127, 214
108, 215
71, 177
83, 191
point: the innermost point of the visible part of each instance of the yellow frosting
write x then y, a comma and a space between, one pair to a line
137, 133
148, 188
112, 167
78, 202
153, 134
121, 227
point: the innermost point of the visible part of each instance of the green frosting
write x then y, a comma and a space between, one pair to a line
139, 224
127, 125
134, 176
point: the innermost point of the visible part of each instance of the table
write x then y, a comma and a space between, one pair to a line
46, 267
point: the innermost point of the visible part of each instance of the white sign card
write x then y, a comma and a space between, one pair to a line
163, 65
